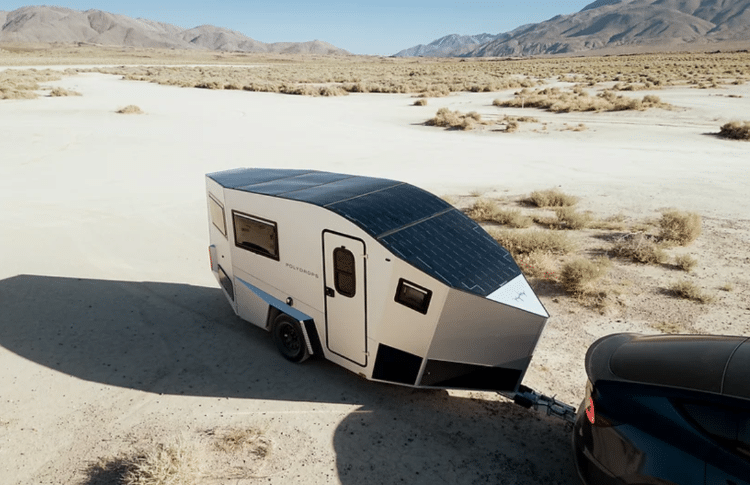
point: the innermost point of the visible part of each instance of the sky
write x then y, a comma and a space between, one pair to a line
376, 27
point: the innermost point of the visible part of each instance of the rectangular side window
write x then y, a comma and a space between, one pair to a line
217, 214
257, 235
414, 296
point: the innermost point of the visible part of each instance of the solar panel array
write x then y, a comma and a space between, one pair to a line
413, 224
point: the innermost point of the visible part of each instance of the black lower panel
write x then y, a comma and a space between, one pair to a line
396, 365
312, 334
440, 373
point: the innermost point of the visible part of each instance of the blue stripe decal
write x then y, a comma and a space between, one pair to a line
274, 302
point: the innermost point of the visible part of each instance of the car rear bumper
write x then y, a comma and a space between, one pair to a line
590, 471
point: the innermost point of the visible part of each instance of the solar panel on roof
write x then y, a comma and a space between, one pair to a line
456, 250
414, 224
331, 193
240, 177
389, 209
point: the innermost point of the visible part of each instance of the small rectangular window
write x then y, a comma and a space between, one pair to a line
257, 235
414, 296
226, 283
217, 214
343, 272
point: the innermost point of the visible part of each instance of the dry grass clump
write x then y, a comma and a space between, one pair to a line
511, 217
578, 127
130, 109
533, 240
560, 101
550, 198
639, 248
486, 210
162, 464
685, 262
538, 264
455, 119
58, 92
679, 227
21, 84
512, 123
568, 218
612, 223
250, 440
482, 210
736, 130
689, 291
578, 276
420, 102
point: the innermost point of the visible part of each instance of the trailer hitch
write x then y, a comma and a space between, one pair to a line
529, 398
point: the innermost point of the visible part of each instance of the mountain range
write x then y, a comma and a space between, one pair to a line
42, 24
651, 24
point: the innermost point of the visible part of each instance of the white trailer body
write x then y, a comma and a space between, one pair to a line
378, 276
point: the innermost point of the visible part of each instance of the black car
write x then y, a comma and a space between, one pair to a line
665, 409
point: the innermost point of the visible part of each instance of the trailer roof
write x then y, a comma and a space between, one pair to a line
413, 224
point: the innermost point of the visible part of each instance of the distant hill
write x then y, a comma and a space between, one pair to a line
449, 45
607, 24
56, 24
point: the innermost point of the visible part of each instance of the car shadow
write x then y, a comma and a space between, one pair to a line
185, 340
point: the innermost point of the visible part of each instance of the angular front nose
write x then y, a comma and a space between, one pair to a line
518, 294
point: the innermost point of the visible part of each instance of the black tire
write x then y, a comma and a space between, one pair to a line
289, 339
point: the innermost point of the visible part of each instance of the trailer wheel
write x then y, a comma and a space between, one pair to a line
289, 339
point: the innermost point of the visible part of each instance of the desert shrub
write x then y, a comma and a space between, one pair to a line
56, 92
482, 210
639, 248
532, 240
11, 93
578, 127
685, 262
560, 101
680, 227
250, 440
511, 217
690, 291
578, 275
486, 210
420, 102
568, 218
612, 223
162, 464
129, 110
455, 119
538, 264
333, 91
550, 198
736, 130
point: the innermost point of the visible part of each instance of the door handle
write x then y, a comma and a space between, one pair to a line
330, 292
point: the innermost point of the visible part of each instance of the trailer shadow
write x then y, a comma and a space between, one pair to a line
156, 337
185, 340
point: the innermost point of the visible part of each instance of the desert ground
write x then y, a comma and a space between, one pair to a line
115, 339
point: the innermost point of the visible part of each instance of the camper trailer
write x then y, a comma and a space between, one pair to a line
375, 275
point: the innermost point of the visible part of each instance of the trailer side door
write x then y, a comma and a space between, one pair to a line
344, 259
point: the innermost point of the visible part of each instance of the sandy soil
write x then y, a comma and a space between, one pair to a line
113, 333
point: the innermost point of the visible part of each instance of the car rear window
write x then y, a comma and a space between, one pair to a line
689, 362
